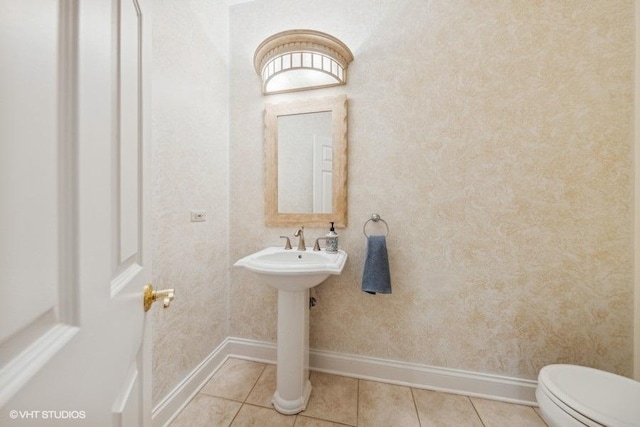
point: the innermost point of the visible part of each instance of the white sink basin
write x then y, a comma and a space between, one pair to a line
292, 270
292, 273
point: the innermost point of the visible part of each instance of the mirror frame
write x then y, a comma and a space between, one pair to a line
338, 107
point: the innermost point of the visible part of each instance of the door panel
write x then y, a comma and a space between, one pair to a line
37, 250
130, 132
127, 407
73, 262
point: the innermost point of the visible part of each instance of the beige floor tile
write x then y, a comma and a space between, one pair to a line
255, 416
444, 409
539, 413
207, 411
385, 405
234, 380
302, 421
333, 398
262, 393
501, 414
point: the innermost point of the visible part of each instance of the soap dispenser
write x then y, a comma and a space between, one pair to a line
332, 240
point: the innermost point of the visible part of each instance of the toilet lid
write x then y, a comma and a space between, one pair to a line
603, 397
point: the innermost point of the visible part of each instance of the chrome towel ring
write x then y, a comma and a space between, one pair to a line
375, 218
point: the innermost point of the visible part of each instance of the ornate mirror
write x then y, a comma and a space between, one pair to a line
306, 162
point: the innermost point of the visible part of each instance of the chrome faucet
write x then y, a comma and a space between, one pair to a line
300, 233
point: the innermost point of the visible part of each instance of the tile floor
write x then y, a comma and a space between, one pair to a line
239, 394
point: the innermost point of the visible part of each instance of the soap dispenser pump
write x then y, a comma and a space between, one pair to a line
332, 240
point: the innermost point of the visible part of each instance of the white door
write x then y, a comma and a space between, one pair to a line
74, 252
322, 174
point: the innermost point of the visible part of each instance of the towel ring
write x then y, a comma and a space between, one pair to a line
374, 218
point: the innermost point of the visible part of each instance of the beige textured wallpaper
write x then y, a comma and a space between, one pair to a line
190, 165
495, 139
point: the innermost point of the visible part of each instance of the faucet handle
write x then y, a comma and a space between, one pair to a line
287, 245
316, 246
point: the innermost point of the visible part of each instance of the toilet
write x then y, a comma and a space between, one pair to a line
571, 395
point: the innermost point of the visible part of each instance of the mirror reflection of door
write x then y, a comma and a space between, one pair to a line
322, 174
304, 175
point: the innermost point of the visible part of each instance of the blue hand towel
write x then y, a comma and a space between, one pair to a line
376, 276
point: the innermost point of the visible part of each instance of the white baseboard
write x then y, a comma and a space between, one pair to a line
494, 387
181, 395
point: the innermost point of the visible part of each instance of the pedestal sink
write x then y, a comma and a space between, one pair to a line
293, 273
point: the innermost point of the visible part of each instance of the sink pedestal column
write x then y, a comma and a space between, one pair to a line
293, 387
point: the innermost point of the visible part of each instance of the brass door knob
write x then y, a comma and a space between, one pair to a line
151, 296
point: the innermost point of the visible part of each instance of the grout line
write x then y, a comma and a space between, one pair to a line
415, 406
264, 368
236, 415
476, 409
358, 402
540, 416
